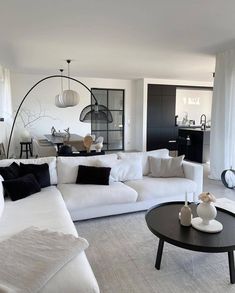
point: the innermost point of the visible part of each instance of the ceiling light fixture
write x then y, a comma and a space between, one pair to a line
67, 98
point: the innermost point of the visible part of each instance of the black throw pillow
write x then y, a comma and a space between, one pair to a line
41, 173
93, 175
10, 172
21, 187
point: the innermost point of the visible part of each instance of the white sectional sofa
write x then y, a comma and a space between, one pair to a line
47, 210
54, 206
92, 201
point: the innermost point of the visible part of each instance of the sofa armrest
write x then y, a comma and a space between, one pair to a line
194, 172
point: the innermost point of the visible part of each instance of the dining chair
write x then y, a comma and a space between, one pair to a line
44, 148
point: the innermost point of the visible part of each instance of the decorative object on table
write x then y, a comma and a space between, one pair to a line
99, 113
2, 152
99, 144
228, 178
58, 133
88, 142
65, 150
66, 98
25, 135
67, 131
53, 130
206, 215
185, 213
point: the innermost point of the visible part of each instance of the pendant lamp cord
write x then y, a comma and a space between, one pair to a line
61, 81
68, 61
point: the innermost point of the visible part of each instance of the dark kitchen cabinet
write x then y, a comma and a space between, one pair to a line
161, 116
198, 148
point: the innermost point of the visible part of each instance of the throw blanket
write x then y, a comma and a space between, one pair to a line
32, 257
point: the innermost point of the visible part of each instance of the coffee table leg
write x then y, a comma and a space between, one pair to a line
159, 254
231, 266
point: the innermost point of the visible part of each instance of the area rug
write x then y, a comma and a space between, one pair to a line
122, 255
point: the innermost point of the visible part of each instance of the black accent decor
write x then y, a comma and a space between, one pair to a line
223, 178
199, 147
93, 175
163, 221
65, 150
10, 172
41, 173
21, 187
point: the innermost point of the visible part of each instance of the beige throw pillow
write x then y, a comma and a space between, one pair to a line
166, 167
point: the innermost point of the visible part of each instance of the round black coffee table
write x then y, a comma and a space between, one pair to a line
163, 221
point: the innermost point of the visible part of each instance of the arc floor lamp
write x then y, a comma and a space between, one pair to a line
92, 112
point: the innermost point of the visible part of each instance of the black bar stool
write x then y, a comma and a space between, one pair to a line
26, 147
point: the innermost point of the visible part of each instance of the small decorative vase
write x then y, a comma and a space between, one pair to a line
185, 213
25, 135
207, 212
185, 216
98, 147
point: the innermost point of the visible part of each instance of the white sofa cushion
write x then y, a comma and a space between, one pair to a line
51, 161
166, 167
123, 169
150, 188
67, 167
79, 196
1, 197
47, 210
161, 153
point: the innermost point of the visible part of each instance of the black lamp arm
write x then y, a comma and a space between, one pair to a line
29, 91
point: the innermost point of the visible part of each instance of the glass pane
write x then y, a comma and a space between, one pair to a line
115, 140
117, 123
104, 135
98, 126
116, 99
101, 96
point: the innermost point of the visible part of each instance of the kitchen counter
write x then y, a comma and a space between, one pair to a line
195, 128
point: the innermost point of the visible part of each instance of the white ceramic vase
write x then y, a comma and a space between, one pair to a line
25, 135
98, 147
207, 212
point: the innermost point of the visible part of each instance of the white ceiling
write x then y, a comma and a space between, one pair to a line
116, 39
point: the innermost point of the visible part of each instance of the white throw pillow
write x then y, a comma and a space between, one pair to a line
67, 167
124, 169
1, 197
161, 153
166, 167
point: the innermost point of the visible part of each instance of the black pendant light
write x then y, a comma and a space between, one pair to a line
96, 113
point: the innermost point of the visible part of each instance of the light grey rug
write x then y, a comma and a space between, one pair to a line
122, 255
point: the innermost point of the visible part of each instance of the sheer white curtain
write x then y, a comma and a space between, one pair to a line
5, 105
222, 143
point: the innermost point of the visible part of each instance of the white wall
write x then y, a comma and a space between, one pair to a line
43, 96
141, 139
194, 103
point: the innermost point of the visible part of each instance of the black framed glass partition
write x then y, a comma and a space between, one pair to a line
113, 133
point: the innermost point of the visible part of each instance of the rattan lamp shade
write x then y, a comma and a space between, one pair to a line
97, 113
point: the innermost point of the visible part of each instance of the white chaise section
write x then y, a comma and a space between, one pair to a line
47, 210
82, 196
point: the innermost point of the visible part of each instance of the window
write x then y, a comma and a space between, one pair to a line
113, 133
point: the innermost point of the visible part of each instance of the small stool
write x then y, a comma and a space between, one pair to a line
26, 147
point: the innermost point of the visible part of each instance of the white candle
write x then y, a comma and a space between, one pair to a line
186, 198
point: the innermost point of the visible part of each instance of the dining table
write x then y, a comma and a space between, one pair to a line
59, 140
